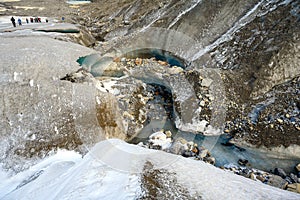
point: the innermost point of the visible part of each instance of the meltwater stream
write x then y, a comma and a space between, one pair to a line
161, 116
220, 148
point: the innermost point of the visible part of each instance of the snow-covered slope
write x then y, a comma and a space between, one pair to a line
114, 169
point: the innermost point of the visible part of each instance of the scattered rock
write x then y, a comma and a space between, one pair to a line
162, 141
168, 134
261, 178
243, 162
210, 160
277, 181
175, 70
112, 70
294, 178
178, 148
79, 76
295, 187
264, 177
206, 82
227, 131
164, 63
182, 140
138, 61
280, 121
202, 103
188, 154
190, 145
298, 167
117, 59
203, 153
280, 172
195, 149
289, 180
126, 22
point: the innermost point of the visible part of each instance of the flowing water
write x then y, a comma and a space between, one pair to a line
161, 116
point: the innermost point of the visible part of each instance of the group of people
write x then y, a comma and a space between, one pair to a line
36, 20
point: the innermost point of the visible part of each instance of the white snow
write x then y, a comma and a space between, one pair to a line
107, 86
156, 16
195, 126
63, 158
210, 130
9, 0
67, 176
110, 171
36, 29
29, 7
78, 2
191, 7
31, 82
160, 139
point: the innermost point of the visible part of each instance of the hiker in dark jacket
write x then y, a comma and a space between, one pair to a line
13, 21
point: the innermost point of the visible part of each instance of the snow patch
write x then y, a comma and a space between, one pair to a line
78, 2
195, 126
66, 175
160, 139
31, 83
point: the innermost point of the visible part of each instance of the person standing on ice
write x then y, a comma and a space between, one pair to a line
13, 21
20, 22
